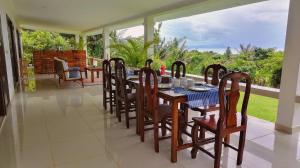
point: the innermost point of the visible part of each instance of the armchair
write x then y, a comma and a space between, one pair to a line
66, 73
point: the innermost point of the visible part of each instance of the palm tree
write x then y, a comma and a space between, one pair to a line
133, 51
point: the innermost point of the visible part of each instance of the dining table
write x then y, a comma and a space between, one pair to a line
175, 98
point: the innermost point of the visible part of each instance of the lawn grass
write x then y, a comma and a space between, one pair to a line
261, 107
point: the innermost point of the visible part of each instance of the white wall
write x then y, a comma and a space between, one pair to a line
4, 25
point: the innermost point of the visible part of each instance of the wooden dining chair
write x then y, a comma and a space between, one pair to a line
177, 66
125, 101
108, 90
227, 121
153, 113
217, 71
148, 62
115, 60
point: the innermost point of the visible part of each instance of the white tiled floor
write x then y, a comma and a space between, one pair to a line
68, 128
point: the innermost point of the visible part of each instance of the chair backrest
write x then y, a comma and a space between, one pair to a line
217, 71
229, 99
176, 69
148, 90
59, 67
148, 62
113, 62
120, 79
106, 74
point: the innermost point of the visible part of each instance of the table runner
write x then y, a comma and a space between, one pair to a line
200, 99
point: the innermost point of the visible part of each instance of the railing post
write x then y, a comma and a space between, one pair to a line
288, 118
149, 32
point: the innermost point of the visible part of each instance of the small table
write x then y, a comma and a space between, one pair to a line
92, 69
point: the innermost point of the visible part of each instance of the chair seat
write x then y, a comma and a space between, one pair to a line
206, 109
164, 111
208, 122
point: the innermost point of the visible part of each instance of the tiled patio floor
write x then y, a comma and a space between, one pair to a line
68, 128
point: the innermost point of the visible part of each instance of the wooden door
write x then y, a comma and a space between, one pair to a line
13, 51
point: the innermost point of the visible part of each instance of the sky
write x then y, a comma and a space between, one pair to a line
261, 24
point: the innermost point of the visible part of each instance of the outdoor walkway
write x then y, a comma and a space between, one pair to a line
68, 128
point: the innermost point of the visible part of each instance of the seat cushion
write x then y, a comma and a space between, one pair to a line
164, 111
208, 122
74, 73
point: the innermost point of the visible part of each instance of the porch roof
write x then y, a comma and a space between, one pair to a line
77, 16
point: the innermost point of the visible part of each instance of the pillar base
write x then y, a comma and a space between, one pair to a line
287, 130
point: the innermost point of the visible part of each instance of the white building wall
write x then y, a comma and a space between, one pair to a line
4, 25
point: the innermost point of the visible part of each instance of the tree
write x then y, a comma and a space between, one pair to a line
133, 51
228, 53
40, 40
95, 46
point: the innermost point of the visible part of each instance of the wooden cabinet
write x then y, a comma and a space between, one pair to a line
44, 63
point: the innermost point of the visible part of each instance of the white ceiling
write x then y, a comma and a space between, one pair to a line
78, 16
82, 15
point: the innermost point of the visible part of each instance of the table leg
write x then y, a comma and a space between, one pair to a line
174, 138
86, 74
98, 74
92, 76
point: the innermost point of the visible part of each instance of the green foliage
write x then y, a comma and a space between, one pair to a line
157, 63
95, 46
40, 40
78, 45
133, 51
261, 107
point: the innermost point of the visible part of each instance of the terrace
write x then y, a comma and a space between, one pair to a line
68, 126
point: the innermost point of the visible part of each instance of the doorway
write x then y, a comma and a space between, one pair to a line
13, 51
4, 92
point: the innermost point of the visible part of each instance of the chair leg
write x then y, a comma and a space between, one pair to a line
195, 140
111, 102
218, 151
127, 114
104, 100
141, 125
202, 130
241, 147
163, 127
156, 141
118, 110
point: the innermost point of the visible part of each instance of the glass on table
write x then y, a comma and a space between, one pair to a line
159, 79
190, 83
183, 82
175, 82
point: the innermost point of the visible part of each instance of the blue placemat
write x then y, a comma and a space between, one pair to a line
200, 99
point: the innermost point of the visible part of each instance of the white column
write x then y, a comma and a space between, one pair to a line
288, 119
106, 43
149, 32
84, 38
77, 37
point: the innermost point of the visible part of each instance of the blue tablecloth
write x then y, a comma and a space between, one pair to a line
201, 98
